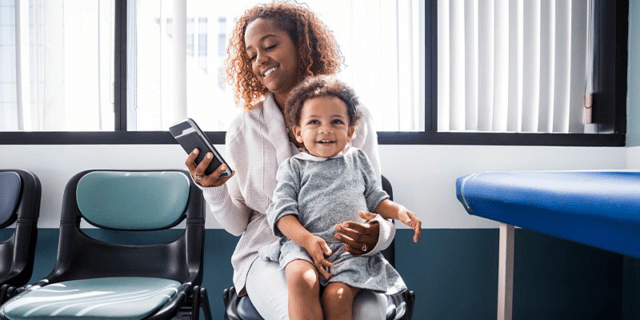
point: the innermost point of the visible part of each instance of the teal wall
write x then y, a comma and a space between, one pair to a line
633, 89
454, 274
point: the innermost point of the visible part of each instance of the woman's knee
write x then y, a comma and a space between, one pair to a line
267, 287
369, 305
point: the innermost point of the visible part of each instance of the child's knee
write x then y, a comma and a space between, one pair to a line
302, 274
337, 295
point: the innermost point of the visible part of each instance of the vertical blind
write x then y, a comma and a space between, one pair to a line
512, 65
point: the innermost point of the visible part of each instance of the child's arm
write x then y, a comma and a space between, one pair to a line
317, 248
391, 210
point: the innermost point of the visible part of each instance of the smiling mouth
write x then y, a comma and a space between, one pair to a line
268, 72
325, 141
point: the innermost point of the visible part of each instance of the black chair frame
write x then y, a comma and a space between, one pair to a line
83, 257
17, 254
232, 300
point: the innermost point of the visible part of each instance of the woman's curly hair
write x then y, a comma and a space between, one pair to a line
318, 52
320, 86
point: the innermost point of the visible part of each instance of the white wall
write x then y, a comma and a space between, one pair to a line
633, 158
423, 177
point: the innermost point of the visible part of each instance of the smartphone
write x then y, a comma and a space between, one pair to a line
189, 135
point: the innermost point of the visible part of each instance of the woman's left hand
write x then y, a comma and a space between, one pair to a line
359, 238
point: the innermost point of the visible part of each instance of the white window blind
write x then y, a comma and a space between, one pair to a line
57, 61
56, 65
512, 65
177, 52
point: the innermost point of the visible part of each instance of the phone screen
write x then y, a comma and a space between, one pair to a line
191, 137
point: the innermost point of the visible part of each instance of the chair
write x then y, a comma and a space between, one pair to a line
97, 278
20, 203
399, 306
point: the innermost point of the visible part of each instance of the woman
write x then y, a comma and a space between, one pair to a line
272, 49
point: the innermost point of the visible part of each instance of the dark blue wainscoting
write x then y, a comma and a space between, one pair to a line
631, 288
454, 274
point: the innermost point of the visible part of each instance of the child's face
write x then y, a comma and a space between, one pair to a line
324, 126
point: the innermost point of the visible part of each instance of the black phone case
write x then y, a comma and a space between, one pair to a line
197, 139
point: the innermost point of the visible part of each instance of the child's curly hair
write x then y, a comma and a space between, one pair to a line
320, 86
318, 52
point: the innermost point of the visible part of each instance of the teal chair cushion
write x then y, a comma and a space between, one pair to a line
10, 185
101, 298
133, 200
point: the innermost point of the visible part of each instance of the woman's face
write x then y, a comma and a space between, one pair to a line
273, 57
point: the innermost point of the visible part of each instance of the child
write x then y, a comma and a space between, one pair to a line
323, 186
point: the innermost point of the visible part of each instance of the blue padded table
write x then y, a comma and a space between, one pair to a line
597, 208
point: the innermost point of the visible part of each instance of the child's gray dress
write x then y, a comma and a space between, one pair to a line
322, 193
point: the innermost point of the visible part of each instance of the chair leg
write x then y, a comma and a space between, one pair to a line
11, 291
226, 295
230, 299
409, 298
3, 293
206, 307
195, 303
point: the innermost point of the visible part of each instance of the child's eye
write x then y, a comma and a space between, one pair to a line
271, 47
314, 121
252, 57
337, 121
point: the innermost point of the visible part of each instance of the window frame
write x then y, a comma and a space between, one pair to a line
613, 78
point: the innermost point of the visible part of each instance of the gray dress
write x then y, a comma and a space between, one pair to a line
322, 193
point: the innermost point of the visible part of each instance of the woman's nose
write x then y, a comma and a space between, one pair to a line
261, 57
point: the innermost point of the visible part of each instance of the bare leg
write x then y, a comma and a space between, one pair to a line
304, 291
337, 301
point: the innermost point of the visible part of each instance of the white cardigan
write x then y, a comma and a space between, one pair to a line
256, 144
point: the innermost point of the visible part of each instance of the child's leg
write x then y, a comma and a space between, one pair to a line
304, 291
337, 301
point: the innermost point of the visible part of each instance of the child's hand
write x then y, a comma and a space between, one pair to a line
317, 248
409, 218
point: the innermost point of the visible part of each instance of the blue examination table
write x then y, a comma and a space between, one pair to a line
597, 208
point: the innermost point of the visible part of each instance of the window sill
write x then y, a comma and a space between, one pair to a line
384, 138
502, 139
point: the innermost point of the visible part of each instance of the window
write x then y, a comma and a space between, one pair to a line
381, 33
57, 65
513, 66
518, 66
190, 37
125, 70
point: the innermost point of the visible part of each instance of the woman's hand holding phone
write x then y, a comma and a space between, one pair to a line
198, 171
208, 169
